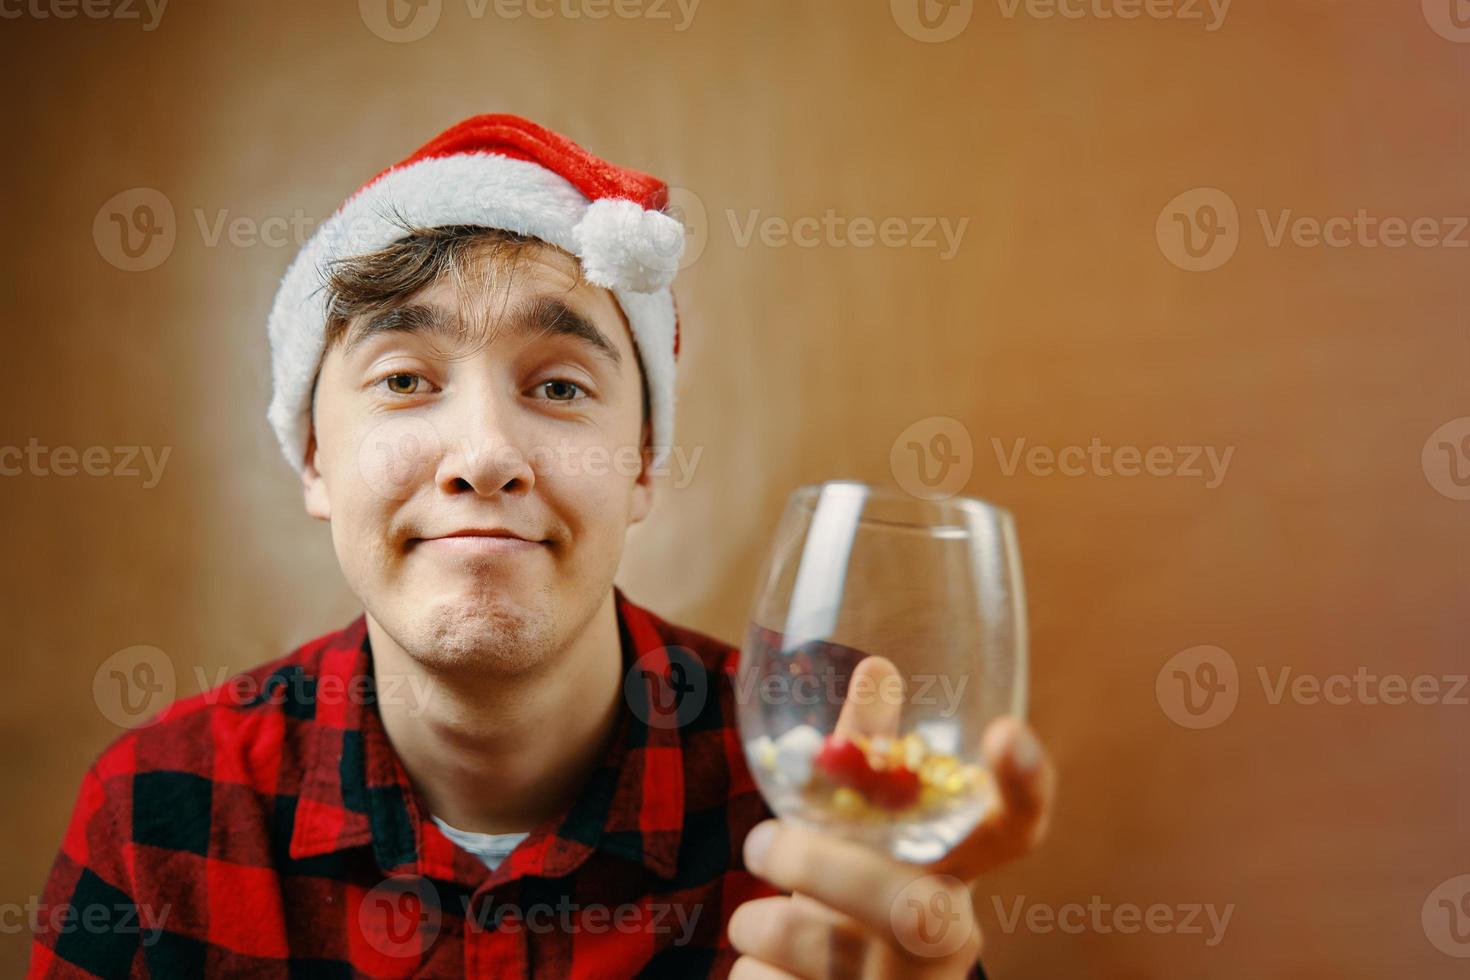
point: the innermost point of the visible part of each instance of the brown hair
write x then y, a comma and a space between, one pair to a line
472, 254
370, 283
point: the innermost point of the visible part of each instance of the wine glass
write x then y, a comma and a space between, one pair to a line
887, 632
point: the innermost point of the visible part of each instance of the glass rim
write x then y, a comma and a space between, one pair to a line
974, 507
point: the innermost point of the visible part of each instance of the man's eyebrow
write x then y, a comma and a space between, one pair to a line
541, 314
413, 318
548, 314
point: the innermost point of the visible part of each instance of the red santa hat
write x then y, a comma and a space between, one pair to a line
496, 171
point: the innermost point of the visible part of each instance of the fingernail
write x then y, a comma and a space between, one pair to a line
1026, 751
757, 842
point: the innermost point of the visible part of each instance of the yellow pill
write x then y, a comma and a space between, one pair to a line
847, 802
937, 769
768, 755
913, 749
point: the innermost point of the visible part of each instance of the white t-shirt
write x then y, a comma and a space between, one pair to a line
489, 848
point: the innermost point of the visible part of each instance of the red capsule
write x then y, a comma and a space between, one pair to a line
894, 789
844, 763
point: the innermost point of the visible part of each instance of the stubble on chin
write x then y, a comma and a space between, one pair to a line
490, 635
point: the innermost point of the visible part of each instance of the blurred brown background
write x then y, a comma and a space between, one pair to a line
1334, 543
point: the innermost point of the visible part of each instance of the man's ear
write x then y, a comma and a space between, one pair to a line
642, 501
313, 487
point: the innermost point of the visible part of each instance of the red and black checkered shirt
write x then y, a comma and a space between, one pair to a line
268, 829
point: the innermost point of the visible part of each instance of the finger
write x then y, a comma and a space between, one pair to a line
799, 935
874, 700
855, 880
1026, 781
750, 968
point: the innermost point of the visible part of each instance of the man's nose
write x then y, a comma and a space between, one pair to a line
485, 454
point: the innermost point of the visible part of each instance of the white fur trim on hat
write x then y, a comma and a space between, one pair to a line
629, 250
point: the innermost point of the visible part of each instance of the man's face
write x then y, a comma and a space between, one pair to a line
477, 451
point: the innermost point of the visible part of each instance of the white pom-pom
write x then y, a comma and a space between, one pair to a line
623, 246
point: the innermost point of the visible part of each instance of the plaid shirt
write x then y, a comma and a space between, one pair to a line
268, 829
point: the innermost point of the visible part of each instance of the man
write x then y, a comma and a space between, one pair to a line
505, 766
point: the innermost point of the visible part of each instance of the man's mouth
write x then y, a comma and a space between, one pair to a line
479, 541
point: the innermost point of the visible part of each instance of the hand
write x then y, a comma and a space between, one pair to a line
860, 913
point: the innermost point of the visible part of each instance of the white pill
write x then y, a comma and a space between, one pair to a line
794, 752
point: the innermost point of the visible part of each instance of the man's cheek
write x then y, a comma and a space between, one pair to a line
596, 501
395, 457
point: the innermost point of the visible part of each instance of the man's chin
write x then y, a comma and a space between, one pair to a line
493, 630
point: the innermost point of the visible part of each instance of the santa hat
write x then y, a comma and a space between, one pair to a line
496, 171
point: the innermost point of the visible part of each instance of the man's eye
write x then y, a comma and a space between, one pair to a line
403, 384
562, 391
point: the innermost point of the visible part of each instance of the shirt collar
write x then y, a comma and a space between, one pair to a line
354, 790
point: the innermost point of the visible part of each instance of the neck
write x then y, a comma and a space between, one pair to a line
501, 754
